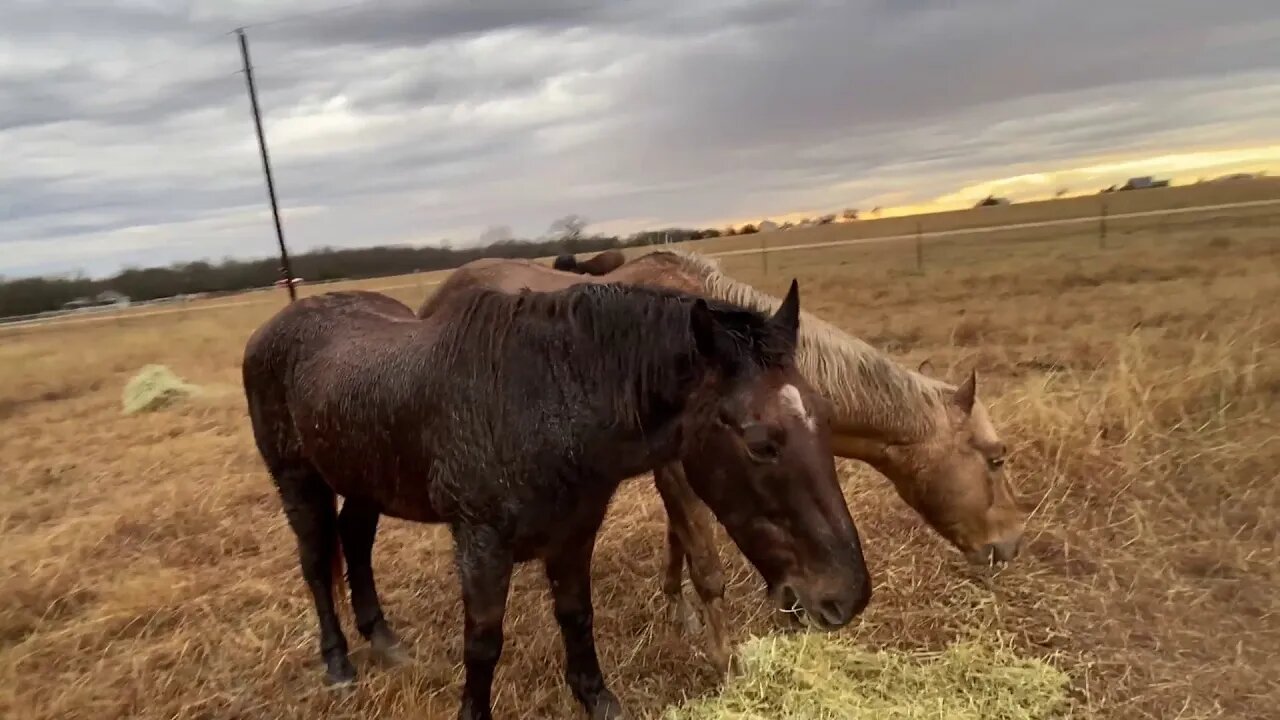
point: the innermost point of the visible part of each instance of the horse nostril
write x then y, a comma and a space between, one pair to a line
996, 552
1007, 550
980, 556
836, 613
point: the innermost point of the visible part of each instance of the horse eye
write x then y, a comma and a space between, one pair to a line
765, 451
995, 464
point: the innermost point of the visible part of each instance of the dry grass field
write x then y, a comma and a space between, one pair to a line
148, 572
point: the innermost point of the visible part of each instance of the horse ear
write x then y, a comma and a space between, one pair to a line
788, 315
703, 326
967, 392
927, 369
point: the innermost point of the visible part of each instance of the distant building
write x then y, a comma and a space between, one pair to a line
1143, 183
111, 297
766, 226
102, 299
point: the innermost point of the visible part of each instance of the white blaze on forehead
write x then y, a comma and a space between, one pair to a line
791, 400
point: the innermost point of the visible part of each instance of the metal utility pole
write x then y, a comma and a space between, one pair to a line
285, 270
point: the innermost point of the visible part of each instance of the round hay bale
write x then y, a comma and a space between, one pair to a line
154, 387
808, 675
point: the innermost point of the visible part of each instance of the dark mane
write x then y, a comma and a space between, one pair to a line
622, 342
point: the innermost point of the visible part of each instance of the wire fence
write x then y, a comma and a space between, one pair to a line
781, 252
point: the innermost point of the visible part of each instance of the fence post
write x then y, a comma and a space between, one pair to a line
1102, 226
764, 253
919, 247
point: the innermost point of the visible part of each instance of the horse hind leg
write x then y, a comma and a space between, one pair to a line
310, 505
690, 532
358, 527
678, 610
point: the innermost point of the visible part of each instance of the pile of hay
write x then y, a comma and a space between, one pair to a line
814, 676
154, 387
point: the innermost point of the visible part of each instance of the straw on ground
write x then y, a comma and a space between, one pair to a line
155, 387
824, 678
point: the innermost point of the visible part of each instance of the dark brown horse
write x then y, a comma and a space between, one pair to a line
933, 440
602, 264
451, 419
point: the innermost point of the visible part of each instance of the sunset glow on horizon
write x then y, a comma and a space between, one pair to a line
1087, 178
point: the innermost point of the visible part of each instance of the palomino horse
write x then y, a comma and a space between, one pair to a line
452, 419
933, 440
605, 262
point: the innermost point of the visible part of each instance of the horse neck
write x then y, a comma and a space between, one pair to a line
871, 396
641, 376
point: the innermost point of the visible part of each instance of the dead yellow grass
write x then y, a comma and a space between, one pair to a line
148, 572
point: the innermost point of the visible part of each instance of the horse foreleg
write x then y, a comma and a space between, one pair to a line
484, 567
689, 529
569, 573
358, 526
309, 505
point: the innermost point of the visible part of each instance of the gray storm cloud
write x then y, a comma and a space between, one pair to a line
125, 134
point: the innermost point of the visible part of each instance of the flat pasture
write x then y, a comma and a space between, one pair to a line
148, 572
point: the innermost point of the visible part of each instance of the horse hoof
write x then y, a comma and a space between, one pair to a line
723, 665
340, 674
734, 668
392, 655
680, 614
692, 623
607, 708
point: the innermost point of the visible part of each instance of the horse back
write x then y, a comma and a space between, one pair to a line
303, 369
514, 275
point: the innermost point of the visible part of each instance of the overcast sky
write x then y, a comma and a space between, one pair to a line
125, 134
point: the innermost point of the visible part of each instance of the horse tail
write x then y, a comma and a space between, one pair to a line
338, 569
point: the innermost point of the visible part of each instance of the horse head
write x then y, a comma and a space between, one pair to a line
954, 477
764, 466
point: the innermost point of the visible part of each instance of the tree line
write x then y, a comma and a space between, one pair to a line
24, 296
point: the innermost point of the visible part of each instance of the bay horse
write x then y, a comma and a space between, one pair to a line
933, 440
602, 264
512, 418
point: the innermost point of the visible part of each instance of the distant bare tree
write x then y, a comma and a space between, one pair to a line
569, 227
850, 214
827, 219
495, 233
1061, 192
748, 229
875, 211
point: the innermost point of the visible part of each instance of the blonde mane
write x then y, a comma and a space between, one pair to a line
865, 387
